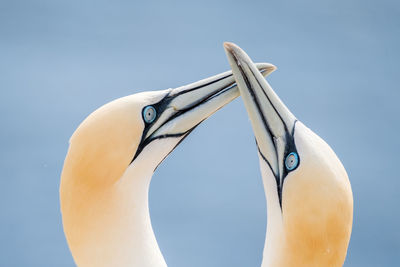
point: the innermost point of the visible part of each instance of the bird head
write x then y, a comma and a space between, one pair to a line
110, 162
308, 192
147, 125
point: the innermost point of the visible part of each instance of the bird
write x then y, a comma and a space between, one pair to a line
111, 158
308, 192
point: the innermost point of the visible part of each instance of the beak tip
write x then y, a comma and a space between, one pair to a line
268, 68
236, 53
229, 46
232, 48
239, 55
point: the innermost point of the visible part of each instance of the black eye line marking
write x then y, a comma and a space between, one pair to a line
202, 85
289, 144
163, 104
267, 127
269, 100
290, 147
180, 141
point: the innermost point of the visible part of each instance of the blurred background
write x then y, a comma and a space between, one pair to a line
338, 64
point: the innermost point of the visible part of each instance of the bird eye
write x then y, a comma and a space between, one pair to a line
149, 114
291, 161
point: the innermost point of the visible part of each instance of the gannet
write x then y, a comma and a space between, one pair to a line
110, 162
308, 193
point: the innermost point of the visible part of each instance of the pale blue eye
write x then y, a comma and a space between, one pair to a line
149, 114
291, 161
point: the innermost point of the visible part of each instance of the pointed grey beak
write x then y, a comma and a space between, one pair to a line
195, 102
183, 108
272, 122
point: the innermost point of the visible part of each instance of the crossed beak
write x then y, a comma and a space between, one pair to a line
272, 122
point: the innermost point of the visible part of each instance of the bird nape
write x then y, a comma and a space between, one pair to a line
111, 159
309, 197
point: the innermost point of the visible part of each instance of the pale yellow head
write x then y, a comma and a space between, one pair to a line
100, 151
317, 205
110, 162
103, 145
309, 197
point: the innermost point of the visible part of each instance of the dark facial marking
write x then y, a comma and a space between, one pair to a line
290, 145
164, 103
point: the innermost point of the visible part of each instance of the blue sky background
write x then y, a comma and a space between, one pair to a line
338, 71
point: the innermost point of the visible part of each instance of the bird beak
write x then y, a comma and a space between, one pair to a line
272, 122
183, 108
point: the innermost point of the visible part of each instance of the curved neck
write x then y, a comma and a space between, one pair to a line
108, 223
111, 226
